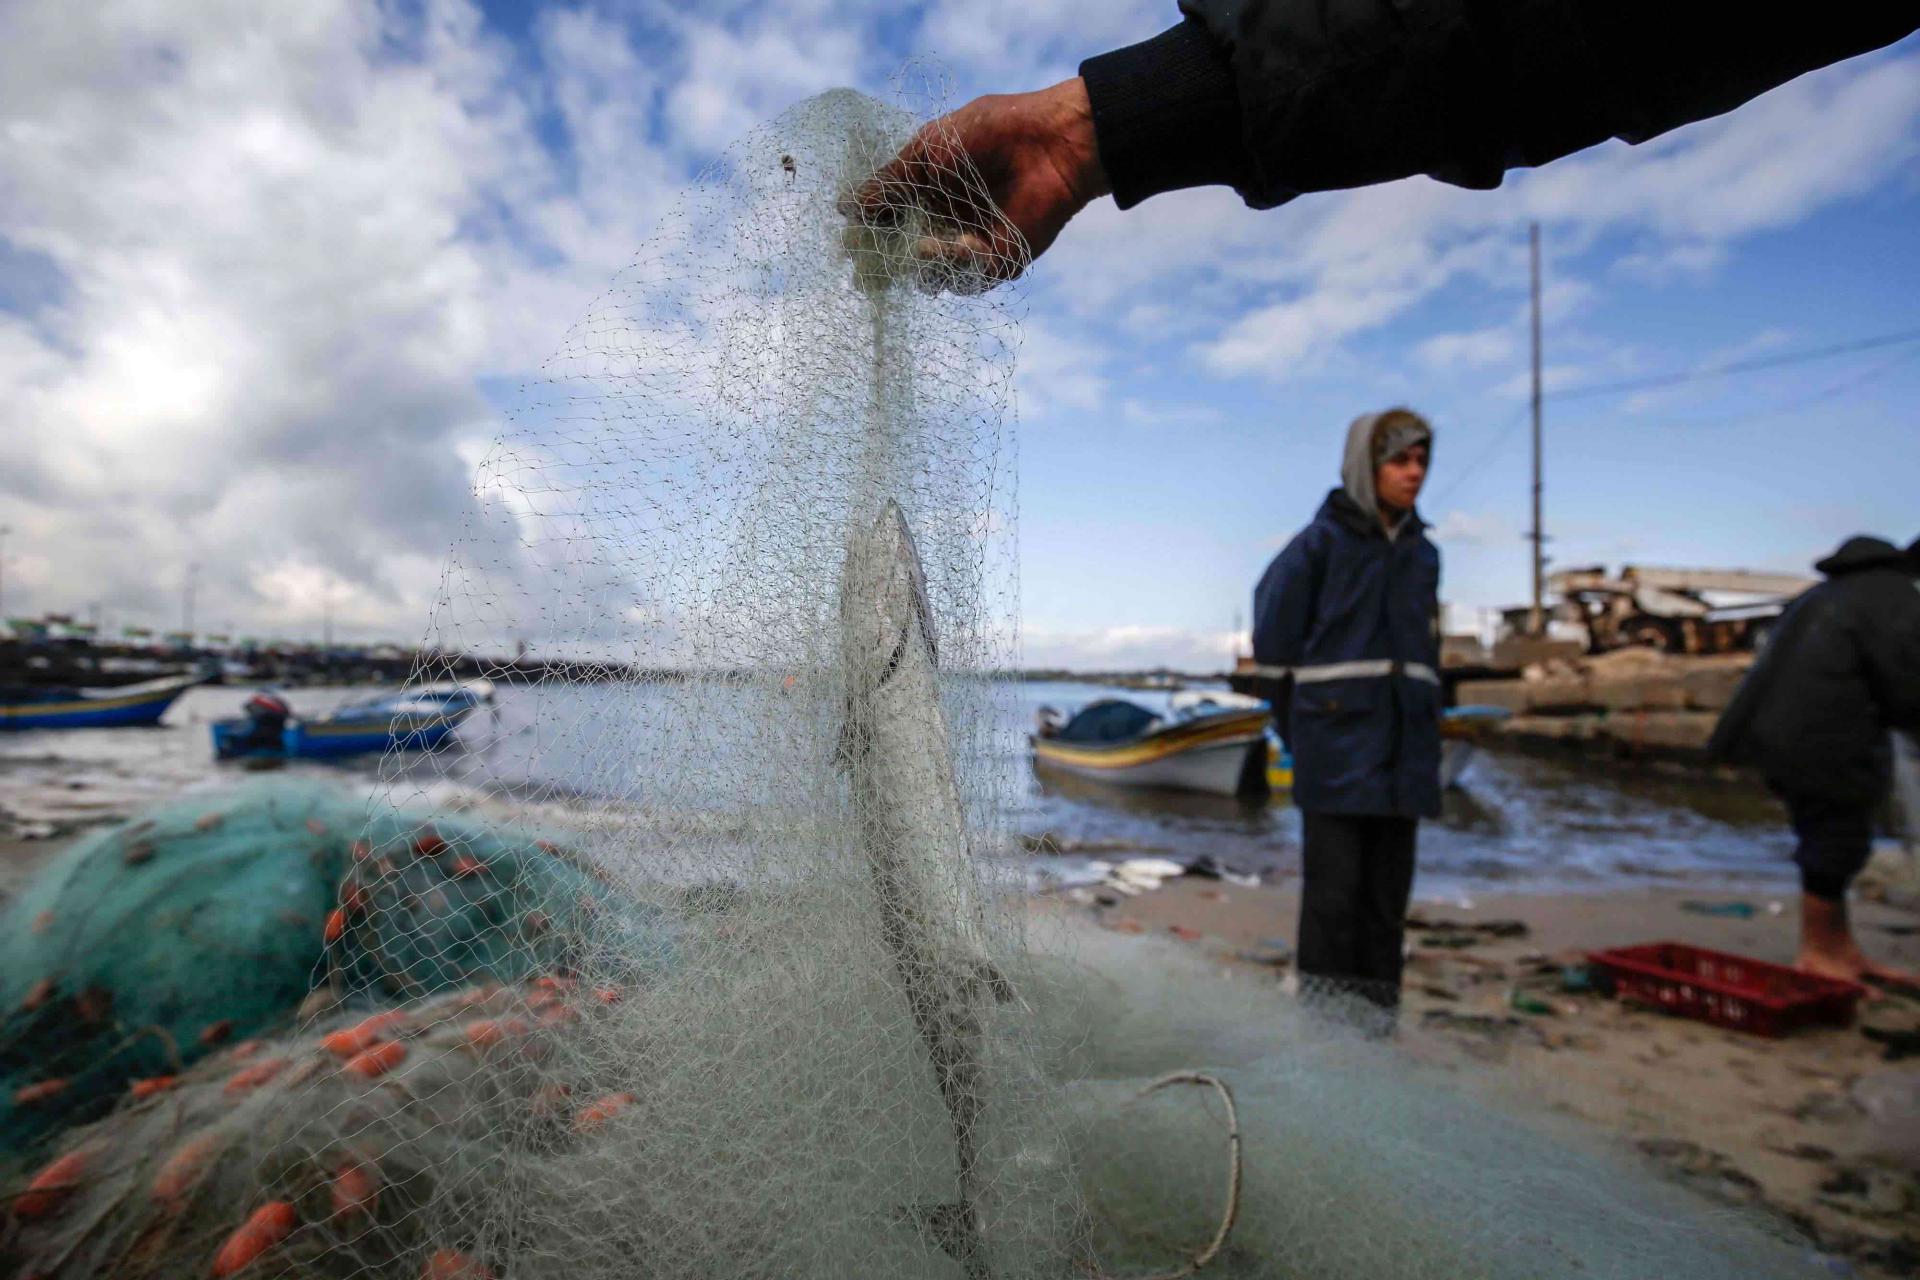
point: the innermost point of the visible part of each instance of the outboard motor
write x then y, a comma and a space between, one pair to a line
267, 716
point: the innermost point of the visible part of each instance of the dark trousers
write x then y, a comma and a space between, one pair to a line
1358, 874
1835, 842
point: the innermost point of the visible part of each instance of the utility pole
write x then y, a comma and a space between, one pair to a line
4, 531
1536, 622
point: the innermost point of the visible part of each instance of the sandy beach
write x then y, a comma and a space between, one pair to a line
1819, 1126
1819, 1129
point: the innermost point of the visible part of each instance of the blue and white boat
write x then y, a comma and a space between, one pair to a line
446, 695
396, 722
71, 707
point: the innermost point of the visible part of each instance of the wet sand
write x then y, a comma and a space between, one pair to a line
1819, 1127
1801, 1126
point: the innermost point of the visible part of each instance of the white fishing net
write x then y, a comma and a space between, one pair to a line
761, 500
713, 978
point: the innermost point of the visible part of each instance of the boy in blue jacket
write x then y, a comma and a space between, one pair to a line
1346, 624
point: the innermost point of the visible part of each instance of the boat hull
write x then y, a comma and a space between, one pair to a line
319, 740
97, 709
1455, 755
1460, 738
1215, 756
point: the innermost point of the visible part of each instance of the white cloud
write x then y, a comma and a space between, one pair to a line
1474, 529
1666, 262
1143, 413
1131, 647
274, 248
303, 235
1023, 44
1469, 349
1553, 377
1058, 370
1814, 140
269, 320
1278, 294
738, 75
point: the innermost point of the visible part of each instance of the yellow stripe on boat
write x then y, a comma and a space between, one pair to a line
1155, 747
25, 709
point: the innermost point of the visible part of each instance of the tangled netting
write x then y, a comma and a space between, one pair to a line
756, 517
196, 925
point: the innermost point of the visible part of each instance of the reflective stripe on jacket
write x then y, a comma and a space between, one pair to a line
1344, 619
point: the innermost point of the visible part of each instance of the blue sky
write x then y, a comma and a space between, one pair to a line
263, 272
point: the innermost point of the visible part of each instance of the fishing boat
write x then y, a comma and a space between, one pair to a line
1211, 742
392, 723
444, 696
1462, 730
70, 707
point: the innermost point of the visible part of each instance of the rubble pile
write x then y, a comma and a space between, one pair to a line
1631, 702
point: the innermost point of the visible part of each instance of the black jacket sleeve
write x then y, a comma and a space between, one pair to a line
1280, 97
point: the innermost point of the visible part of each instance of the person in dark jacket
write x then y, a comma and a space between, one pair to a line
1345, 632
1815, 716
1277, 98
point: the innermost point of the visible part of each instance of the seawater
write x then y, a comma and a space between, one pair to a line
1518, 822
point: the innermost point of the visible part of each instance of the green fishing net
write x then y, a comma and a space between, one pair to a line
211, 920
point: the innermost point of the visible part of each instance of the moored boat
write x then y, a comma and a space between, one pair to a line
1462, 730
91, 708
445, 696
1205, 746
396, 722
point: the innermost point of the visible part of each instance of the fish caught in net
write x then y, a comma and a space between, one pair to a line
757, 513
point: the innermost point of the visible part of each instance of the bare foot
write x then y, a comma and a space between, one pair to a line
1822, 964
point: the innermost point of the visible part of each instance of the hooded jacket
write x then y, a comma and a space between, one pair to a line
1345, 631
1842, 669
1276, 98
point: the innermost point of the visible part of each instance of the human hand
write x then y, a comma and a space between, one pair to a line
996, 180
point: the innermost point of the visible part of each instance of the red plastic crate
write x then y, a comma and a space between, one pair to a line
1727, 990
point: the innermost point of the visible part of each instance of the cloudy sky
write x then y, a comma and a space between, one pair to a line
261, 266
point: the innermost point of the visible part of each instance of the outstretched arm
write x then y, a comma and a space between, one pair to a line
1276, 98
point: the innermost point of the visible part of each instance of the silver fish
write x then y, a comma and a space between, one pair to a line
914, 832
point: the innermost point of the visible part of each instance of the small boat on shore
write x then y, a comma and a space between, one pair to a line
445, 696
396, 722
67, 707
1462, 730
1215, 743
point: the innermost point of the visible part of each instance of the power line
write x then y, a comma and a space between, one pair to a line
1846, 384
1475, 468
1740, 366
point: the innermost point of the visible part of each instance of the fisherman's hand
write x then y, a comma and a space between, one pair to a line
1035, 158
